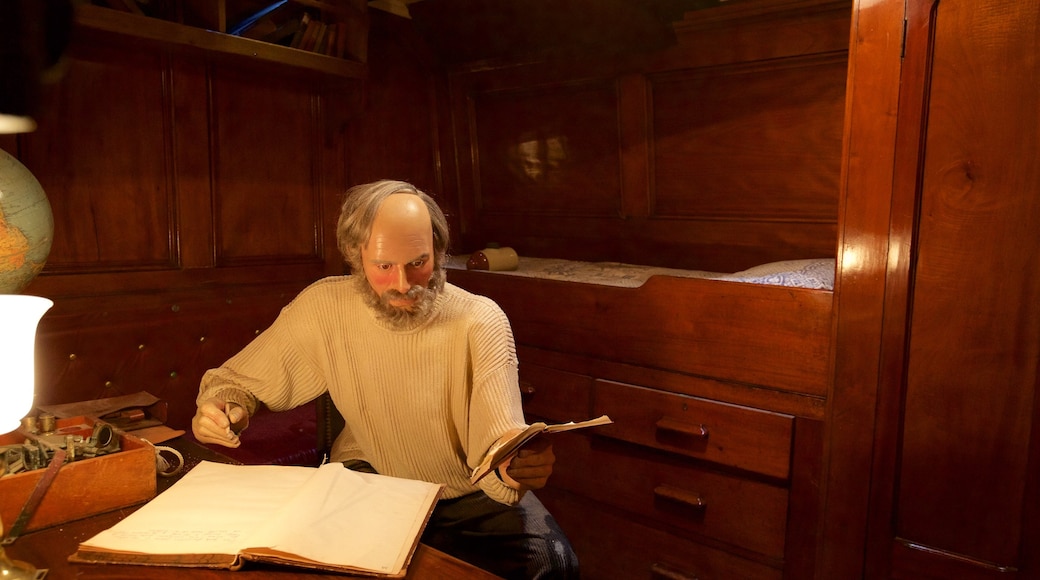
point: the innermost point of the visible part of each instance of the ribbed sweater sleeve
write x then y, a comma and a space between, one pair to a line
424, 403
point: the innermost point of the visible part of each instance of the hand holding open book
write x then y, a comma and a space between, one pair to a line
496, 456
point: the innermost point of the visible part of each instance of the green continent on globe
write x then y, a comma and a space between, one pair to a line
26, 226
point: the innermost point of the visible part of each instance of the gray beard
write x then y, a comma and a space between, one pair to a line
402, 318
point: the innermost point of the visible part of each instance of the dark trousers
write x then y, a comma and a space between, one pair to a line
520, 542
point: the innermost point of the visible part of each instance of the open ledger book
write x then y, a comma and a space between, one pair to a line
496, 456
325, 518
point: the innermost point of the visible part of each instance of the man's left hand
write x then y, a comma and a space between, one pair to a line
531, 467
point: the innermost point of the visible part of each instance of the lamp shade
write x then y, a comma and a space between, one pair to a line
19, 317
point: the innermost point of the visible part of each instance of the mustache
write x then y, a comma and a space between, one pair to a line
412, 293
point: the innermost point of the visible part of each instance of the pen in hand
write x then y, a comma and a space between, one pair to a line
232, 430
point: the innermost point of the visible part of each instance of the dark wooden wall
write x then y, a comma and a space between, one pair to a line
703, 155
932, 465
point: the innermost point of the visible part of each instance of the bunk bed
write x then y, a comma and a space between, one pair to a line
767, 325
668, 210
716, 383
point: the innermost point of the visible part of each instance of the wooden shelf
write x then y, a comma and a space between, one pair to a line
94, 19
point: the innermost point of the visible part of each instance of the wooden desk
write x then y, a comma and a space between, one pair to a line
51, 547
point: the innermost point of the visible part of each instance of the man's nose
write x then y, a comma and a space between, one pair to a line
401, 283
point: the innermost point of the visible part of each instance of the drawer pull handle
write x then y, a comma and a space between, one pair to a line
673, 426
658, 570
688, 498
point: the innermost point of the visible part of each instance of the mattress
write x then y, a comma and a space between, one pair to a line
808, 273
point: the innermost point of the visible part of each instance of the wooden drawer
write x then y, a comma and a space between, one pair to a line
740, 437
610, 546
555, 395
674, 491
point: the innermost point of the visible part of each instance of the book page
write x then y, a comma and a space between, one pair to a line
347, 518
208, 511
329, 515
497, 455
560, 428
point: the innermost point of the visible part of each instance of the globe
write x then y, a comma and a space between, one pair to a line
26, 225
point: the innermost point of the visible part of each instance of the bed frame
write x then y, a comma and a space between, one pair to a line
757, 335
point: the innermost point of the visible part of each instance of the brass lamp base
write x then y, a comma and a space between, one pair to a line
16, 569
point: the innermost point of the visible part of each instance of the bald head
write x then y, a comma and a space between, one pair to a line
402, 216
363, 202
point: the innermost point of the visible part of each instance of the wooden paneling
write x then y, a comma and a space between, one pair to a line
694, 157
553, 395
609, 544
397, 136
467, 30
266, 170
95, 347
701, 327
974, 341
739, 437
191, 201
749, 142
798, 404
688, 495
937, 328
549, 151
104, 156
863, 247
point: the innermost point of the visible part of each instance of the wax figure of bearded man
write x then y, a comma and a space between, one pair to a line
424, 374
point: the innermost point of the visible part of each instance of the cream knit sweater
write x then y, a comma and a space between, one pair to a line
424, 403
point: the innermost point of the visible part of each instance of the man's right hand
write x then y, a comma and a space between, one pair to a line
213, 419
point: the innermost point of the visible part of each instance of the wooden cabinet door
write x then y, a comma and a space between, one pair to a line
961, 341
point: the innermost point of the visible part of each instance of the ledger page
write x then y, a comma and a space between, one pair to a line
214, 509
348, 518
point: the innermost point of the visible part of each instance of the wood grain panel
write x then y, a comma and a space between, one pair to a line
762, 335
974, 342
707, 155
613, 545
267, 168
758, 30
796, 404
740, 437
103, 346
195, 230
757, 142
716, 245
550, 151
104, 158
396, 137
675, 492
555, 396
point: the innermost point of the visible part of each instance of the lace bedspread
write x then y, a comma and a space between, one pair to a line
814, 273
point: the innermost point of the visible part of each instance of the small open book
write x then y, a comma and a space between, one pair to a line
496, 456
325, 518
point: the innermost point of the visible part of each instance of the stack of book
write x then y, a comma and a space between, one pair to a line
287, 24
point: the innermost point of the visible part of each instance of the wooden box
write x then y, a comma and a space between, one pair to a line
83, 487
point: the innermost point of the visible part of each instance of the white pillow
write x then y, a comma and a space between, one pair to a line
814, 273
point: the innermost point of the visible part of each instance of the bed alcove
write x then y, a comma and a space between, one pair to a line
658, 171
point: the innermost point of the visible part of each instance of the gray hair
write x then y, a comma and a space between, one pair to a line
359, 212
